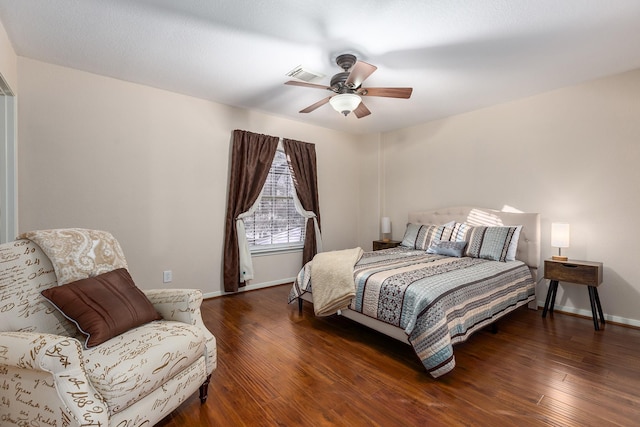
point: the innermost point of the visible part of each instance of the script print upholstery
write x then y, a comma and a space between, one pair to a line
128, 367
48, 379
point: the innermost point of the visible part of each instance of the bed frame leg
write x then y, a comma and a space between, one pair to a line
494, 328
300, 305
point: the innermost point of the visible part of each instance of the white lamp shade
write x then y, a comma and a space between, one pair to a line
345, 102
385, 225
560, 235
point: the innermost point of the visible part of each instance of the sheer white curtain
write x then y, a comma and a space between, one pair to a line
309, 215
246, 264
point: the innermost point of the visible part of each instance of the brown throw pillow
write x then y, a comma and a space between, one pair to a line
103, 306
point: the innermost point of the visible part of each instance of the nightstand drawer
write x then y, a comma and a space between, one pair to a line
381, 244
581, 272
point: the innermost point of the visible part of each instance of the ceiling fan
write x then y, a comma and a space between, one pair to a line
348, 90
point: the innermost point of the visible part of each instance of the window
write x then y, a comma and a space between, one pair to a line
276, 225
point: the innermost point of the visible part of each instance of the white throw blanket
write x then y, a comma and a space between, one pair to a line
332, 280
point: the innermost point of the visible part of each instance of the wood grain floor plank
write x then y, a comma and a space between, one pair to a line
278, 367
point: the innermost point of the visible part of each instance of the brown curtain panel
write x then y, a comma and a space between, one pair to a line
251, 158
302, 158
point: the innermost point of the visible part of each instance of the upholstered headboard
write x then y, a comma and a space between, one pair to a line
528, 244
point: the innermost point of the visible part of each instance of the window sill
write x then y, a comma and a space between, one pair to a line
274, 251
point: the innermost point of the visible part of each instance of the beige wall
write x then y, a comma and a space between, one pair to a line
151, 167
571, 155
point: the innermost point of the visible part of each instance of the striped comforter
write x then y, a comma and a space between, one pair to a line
438, 301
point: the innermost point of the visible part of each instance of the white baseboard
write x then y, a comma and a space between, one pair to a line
587, 313
251, 287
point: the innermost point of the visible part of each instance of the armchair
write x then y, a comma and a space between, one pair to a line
50, 375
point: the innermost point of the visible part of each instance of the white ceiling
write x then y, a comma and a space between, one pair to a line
458, 55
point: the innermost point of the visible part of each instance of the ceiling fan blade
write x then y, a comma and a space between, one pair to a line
359, 74
304, 84
361, 111
312, 107
389, 92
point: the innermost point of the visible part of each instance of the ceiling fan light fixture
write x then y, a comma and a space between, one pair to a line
345, 102
346, 87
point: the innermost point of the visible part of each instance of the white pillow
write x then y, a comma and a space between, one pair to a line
513, 245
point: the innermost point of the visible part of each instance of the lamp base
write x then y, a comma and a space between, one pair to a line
559, 258
386, 240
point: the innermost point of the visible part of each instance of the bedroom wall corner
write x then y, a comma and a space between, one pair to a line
370, 190
569, 154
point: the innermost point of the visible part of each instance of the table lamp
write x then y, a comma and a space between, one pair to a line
385, 228
559, 239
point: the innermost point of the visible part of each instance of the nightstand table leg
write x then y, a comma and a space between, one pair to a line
594, 313
551, 297
596, 307
595, 293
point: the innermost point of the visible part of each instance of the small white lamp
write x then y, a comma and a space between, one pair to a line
385, 228
559, 239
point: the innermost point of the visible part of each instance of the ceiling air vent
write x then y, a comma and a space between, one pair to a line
304, 74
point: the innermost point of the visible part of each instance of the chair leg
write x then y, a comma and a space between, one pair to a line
204, 389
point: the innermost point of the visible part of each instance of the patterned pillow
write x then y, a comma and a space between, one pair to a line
420, 236
444, 247
489, 242
460, 231
104, 306
78, 253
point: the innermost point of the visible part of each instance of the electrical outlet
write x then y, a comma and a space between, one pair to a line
167, 276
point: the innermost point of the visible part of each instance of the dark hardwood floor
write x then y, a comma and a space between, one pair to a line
279, 368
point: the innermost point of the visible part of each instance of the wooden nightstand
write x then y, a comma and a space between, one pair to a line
381, 244
579, 272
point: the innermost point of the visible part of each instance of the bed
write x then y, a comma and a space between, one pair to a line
427, 292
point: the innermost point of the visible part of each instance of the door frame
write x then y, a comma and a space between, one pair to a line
8, 164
